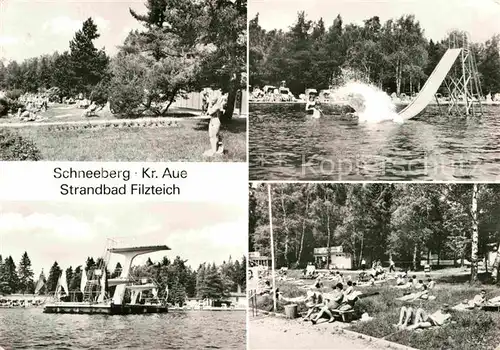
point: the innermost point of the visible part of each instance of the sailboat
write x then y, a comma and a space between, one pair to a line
62, 287
40, 283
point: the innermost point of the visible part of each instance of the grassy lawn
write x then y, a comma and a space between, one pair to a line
71, 113
187, 142
469, 330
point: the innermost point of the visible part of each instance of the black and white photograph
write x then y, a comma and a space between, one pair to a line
391, 90
148, 80
155, 275
374, 266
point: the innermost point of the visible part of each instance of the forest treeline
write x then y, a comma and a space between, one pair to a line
204, 47
394, 55
375, 221
207, 281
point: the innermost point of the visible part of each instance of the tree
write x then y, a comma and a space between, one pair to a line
90, 264
89, 65
74, 282
25, 273
9, 280
489, 66
164, 60
118, 270
69, 276
54, 274
475, 235
226, 29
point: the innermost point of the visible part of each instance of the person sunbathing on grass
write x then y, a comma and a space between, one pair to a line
406, 315
407, 285
332, 302
478, 301
422, 295
437, 319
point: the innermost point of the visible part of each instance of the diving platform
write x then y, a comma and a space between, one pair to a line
103, 309
94, 290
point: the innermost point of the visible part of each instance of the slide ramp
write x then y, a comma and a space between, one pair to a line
432, 85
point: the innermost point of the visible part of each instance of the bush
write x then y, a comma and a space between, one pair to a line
14, 147
4, 107
8, 105
100, 94
13, 94
127, 90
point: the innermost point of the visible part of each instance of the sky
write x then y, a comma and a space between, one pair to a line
29, 28
481, 18
68, 233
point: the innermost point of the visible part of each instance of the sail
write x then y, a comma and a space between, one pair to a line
64, 283
83, 281
57, 293
40, 283
62, 286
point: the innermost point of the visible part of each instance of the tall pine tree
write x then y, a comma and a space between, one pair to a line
89, 64
9, 279
25, 273
54, 274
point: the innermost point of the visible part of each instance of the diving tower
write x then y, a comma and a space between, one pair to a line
129, 253
457, 71
95, 300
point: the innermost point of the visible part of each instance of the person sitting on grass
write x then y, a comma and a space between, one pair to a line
315, 300
333, 301
414, 281
430, 284
420, 285
437, 319
406, 315
349, 289
400, 281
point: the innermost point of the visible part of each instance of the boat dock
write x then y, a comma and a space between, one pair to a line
106, 309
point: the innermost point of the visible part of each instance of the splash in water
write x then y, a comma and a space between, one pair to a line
371, 104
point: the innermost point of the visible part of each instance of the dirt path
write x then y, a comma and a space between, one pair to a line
271, 333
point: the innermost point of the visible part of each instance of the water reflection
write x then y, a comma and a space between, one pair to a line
30, 329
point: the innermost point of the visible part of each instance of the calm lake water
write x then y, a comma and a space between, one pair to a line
285, 144
32, 329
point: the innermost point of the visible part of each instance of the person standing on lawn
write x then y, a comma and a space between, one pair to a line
392, 266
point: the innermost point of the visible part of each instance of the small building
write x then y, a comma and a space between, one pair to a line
238, 299
255, 259
338, 258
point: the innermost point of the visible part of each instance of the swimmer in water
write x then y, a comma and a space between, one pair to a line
311, 108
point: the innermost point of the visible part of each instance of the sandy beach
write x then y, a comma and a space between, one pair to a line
266, 333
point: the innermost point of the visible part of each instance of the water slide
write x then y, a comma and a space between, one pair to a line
432, 85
